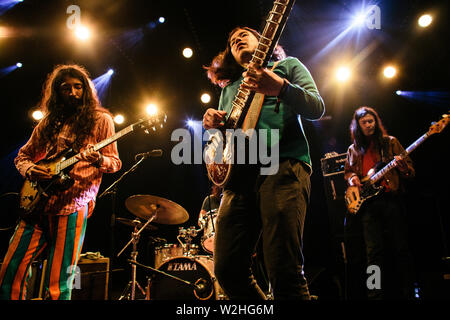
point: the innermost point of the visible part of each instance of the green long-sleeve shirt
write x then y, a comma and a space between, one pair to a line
301, 99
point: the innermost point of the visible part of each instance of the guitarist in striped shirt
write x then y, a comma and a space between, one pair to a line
382, 216
73, 119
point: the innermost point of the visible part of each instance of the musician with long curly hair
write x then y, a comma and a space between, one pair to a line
383, 216
256, 207
74, 119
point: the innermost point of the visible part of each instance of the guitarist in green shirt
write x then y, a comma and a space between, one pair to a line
269, 208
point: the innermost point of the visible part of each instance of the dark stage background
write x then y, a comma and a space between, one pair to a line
149, 66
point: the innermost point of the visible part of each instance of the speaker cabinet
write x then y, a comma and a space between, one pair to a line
92, 281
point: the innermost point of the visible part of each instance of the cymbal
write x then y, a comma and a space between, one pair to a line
167, 212
136, 222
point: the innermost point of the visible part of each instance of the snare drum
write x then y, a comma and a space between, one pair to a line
196, 270
168, 251
208, 222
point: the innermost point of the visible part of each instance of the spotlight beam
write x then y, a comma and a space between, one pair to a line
440, 98
9, 69
5, 5
102, 82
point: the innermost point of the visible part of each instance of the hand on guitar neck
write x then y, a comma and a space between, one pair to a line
401, 164
262, 80
90, 155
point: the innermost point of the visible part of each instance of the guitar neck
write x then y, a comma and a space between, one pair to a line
392, 164
269, 38
73, 160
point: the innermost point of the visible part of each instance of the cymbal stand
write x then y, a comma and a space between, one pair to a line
134, 240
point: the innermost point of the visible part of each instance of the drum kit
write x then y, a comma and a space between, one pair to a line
179, 270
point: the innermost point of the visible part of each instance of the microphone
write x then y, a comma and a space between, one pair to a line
153, 153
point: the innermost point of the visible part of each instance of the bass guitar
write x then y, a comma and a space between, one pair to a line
355, 197
34, 195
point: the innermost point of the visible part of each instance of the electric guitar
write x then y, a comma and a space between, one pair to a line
34, 195
355, 197
219, 155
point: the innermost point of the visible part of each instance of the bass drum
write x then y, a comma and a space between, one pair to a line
194, 270
168, 251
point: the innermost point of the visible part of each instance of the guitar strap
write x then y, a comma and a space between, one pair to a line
254, 110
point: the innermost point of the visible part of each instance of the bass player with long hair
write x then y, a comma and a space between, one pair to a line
382, 216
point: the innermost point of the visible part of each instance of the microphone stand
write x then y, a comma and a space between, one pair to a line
112, 189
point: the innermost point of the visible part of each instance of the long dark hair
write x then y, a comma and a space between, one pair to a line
360, 141
52, 105
224, 68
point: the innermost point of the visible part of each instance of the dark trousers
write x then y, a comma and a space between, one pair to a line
385, 229
271, 207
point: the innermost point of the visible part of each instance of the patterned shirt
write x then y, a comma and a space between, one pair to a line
87, 177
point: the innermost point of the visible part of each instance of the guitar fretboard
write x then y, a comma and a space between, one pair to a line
266, 44
73, 160
392, 164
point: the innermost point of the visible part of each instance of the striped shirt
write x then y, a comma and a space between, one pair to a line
87, 177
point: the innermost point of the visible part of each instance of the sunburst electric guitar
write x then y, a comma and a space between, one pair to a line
34, 195
355, 197
219, 151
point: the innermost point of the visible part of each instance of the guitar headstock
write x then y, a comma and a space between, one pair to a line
151, 123
437, 127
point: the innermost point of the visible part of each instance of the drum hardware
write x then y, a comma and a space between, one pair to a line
135, 222
188, 234
199, 286
134, 240
208, 222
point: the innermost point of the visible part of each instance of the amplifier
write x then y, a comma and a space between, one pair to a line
333, 163
92, 281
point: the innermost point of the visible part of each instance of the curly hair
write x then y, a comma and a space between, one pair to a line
52, 105
359, 140
224, 68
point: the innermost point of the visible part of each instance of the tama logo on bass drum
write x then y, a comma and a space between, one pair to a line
185, 266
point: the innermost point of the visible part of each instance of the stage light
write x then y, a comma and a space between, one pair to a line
205, 98
151, 109
343, 74
190, 123
5, 5
187, 52
82, 33
37, 115
102, 82
119, 119
162, 19
425, 20
359, 20
390, 72
437, 98
3, 32
19, 64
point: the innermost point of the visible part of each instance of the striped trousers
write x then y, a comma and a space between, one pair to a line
63, 238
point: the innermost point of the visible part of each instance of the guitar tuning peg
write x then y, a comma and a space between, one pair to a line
146, 131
